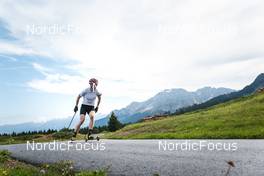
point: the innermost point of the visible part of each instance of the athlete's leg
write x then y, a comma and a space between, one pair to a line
77, 128
91, 123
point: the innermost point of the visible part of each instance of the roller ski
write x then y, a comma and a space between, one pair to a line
91, 136
73, 138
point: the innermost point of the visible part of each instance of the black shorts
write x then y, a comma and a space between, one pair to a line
86, 109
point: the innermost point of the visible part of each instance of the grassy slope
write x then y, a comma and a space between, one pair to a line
241, 118
12, 167
35, 137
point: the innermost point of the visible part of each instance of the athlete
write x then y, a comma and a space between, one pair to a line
88, 106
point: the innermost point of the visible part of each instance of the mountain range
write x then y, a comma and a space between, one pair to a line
180, 101
248, 90
167, 101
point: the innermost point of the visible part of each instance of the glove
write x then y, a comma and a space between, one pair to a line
96, 109
75, 109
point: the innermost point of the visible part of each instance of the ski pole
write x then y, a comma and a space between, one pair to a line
71, 120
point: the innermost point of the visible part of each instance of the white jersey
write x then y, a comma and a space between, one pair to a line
89, 96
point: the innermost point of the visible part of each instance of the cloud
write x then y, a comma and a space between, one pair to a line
54, 82
41, 69
149, 45
15, 49
8, 57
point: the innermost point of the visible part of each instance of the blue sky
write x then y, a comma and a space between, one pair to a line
50, 49
18, 100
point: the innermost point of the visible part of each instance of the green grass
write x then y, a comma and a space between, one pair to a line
23, 139
12, 167
60, 136
238, 119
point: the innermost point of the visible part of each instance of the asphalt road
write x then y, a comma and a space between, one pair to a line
148, 157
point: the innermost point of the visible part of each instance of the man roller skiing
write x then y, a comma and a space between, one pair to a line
89, 96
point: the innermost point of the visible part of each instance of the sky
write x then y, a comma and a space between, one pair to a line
50, 49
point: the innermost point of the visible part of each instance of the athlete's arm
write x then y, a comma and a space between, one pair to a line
99, 100
76, 105
77, 100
